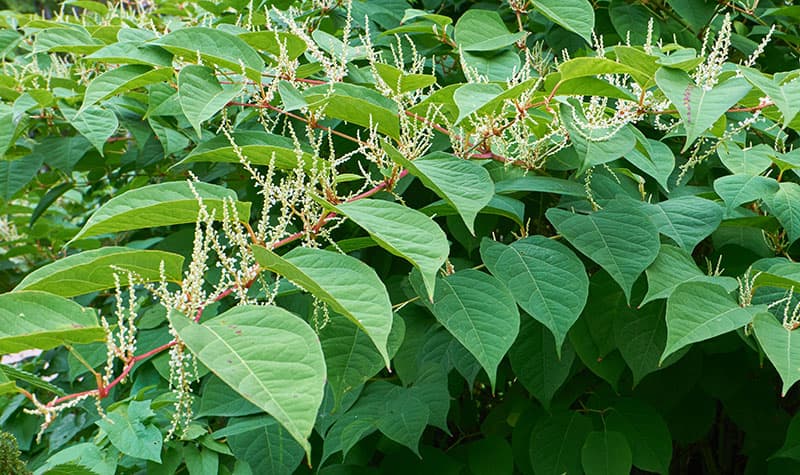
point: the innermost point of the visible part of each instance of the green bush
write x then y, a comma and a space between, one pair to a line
537, 237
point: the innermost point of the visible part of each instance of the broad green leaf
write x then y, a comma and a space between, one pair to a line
132, 52
785, 96
351, 359
471, 97
348, 285
736, 190
15, 174
499, 205
215, 47
688, 322
201, 95
535, 362
200, 461
402, 231
556, 443
784, 204
121, 79
266, 446
791, 446
686, 220
272, 41
260, 148
545, 277
640, 335
655, 159
356, 104
162, 204
781, 345
75, 40
219, 399
592, 336
576, 16
94, 123
748, 161
94, 270
541, 184
699, 108
606, 453
490, 455
401, 82
646, 432
85, 454
130, 434
595, 146
483, 30
596, 66
292, 98
464, 185
620, 238
480, 312
7, 386
673, 267
271, 357
628, 21
8, 128
33, 319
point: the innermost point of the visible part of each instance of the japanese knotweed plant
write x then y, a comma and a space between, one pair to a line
387, 236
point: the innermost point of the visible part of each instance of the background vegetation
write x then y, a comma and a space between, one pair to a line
358, 237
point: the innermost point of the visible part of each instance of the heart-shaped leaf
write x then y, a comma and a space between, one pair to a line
781, 345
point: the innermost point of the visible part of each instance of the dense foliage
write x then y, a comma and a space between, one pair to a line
536, 236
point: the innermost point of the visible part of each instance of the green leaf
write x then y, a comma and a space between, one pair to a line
739, 189
785, 96
606, 453
271, 42
215, 47
94, 270
576, 16
351, 359
748, 161
258, 147
596, 146
483, 30
791, 446
463, 184
471, 97
163, 204
535, 361
15, 174
785, 205
673, 267
640, 335
596, 66
699, 108
781, 345
541, 184
356, 104
132, 52
94, 123
646, 432
269, 356
75, 40
656, 160
545, 277
490, 455
403, 231
628, 21
401, 82
292, 98
480, 312
127, 431
556, 443
688, 322
620, 238
348, 285
33, 319
201, 95
686, 220
219, 399
122, 79
267, 447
